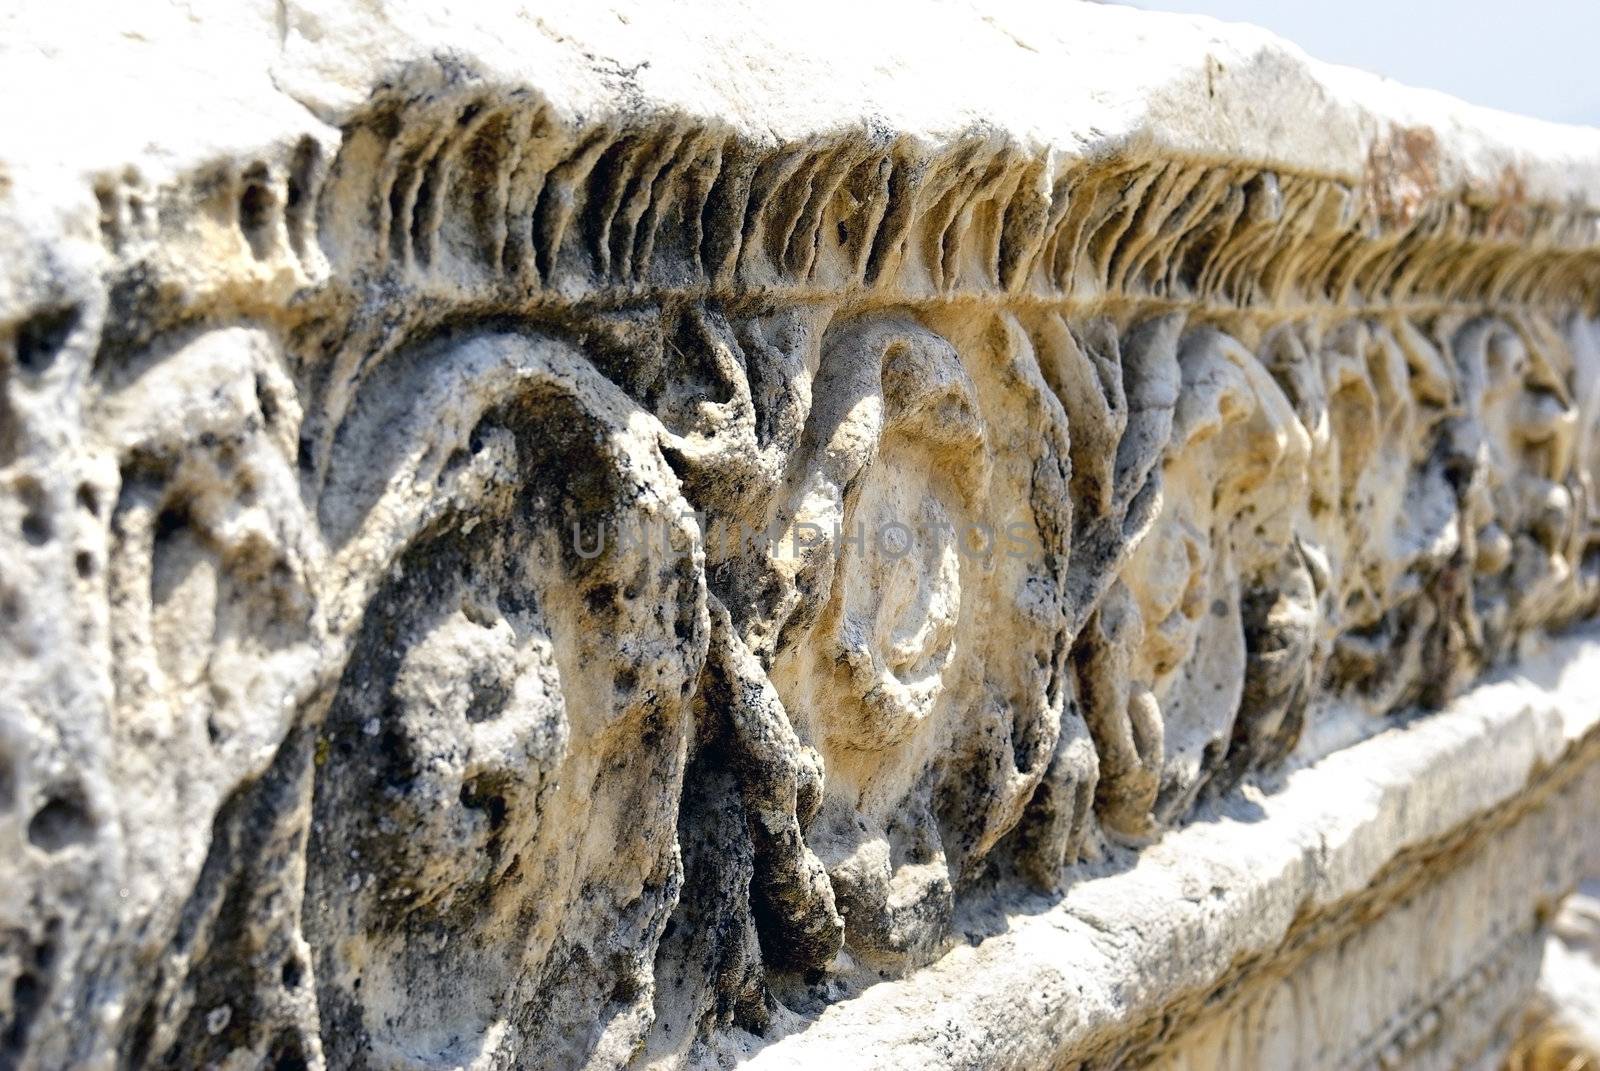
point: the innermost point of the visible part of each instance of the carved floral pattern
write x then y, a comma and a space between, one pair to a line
600, 620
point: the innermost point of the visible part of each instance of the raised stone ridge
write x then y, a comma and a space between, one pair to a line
1103, 151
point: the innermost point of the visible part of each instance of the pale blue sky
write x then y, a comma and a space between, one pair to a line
1537, 57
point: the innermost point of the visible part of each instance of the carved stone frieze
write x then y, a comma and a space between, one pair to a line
506, 562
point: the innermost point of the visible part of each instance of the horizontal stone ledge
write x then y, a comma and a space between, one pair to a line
1126, 959
1080, 82
619, 151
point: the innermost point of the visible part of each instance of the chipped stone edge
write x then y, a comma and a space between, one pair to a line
1121, 948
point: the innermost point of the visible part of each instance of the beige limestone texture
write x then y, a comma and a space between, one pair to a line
659, 534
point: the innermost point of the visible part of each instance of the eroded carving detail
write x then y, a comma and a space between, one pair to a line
650, 577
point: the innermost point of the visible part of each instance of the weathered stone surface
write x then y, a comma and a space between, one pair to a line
1392, 898
1561, 1028
667, 533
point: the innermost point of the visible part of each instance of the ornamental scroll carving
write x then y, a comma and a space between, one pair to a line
633, 582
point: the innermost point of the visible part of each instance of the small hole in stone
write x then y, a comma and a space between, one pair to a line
287, 1055
213, 732
300, 193
105, 194
83, 561
265, 401
492, 805
42, 336
169, 522
61, 823
292, 973
88, 498
255, 207
26, 997
36, 529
